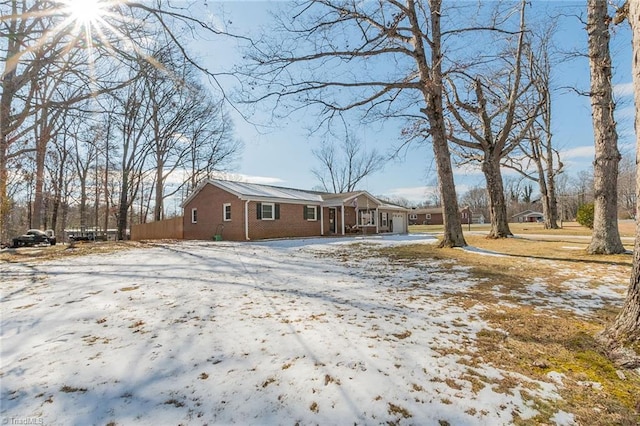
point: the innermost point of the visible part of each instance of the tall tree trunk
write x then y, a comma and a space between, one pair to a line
6, 95
83, 202
551, 218
158, 209
605, 238
624, 333
547, 170
42, 133
124, 206
433, 88
106, 177
4, 199
497, 204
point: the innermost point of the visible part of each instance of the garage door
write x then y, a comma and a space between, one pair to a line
398, 223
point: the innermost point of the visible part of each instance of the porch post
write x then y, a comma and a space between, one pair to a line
377, 221
342, 214
321, 220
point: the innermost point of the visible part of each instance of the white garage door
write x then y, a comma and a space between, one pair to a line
398, 223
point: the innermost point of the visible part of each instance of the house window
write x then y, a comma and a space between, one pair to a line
194, 215
268, 211
310, 213
383, 218
367, 217
427, 216
413, 216
226, 211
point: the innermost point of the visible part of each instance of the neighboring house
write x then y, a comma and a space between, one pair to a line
426, 216
468, 216
245, 211
433, 216
527, 216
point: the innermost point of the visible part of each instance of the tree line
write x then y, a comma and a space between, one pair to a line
102, 122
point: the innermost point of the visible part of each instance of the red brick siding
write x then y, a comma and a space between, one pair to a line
435, 219
290, 224
209, 202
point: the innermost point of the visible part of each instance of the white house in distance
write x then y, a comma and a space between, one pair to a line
527, 216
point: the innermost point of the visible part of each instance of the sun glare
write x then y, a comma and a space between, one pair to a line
84, 11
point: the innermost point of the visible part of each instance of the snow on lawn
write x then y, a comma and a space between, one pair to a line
281, 332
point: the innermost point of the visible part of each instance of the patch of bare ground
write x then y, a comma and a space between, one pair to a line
37, 254
626, 228
538, 339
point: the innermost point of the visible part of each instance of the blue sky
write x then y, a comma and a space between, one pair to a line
280, 153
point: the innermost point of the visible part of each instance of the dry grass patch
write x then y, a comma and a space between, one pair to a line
397, 410
626, 228
72, 389
536, 342
38, 254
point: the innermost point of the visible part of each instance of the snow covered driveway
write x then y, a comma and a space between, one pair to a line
283, 332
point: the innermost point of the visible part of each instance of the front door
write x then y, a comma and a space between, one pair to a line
332, 220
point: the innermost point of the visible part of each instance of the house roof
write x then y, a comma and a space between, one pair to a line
528, 213
434, 210
429, 210
254, 191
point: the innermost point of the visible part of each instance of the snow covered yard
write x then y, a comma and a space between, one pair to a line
281, 332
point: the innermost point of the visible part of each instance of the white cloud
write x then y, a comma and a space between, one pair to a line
263, 180
416, 194
587, 151
468, 169
623, 89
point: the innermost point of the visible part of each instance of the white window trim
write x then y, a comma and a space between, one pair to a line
315, 213
273, 211
372, 217
413, 216
427, 216
224, 212
194, 215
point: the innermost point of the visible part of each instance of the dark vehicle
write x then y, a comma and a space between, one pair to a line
35, 237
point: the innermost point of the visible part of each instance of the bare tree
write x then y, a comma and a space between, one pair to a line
40, 41
85, 152
329, 57
171, 99
537, 159
623, 335
605, 238
477, 199
213, 147
493, 119
133, 122
627, 186
343, 168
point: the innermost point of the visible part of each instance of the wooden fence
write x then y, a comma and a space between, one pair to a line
169, 229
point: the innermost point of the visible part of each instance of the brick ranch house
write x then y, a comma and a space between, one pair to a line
240, 211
